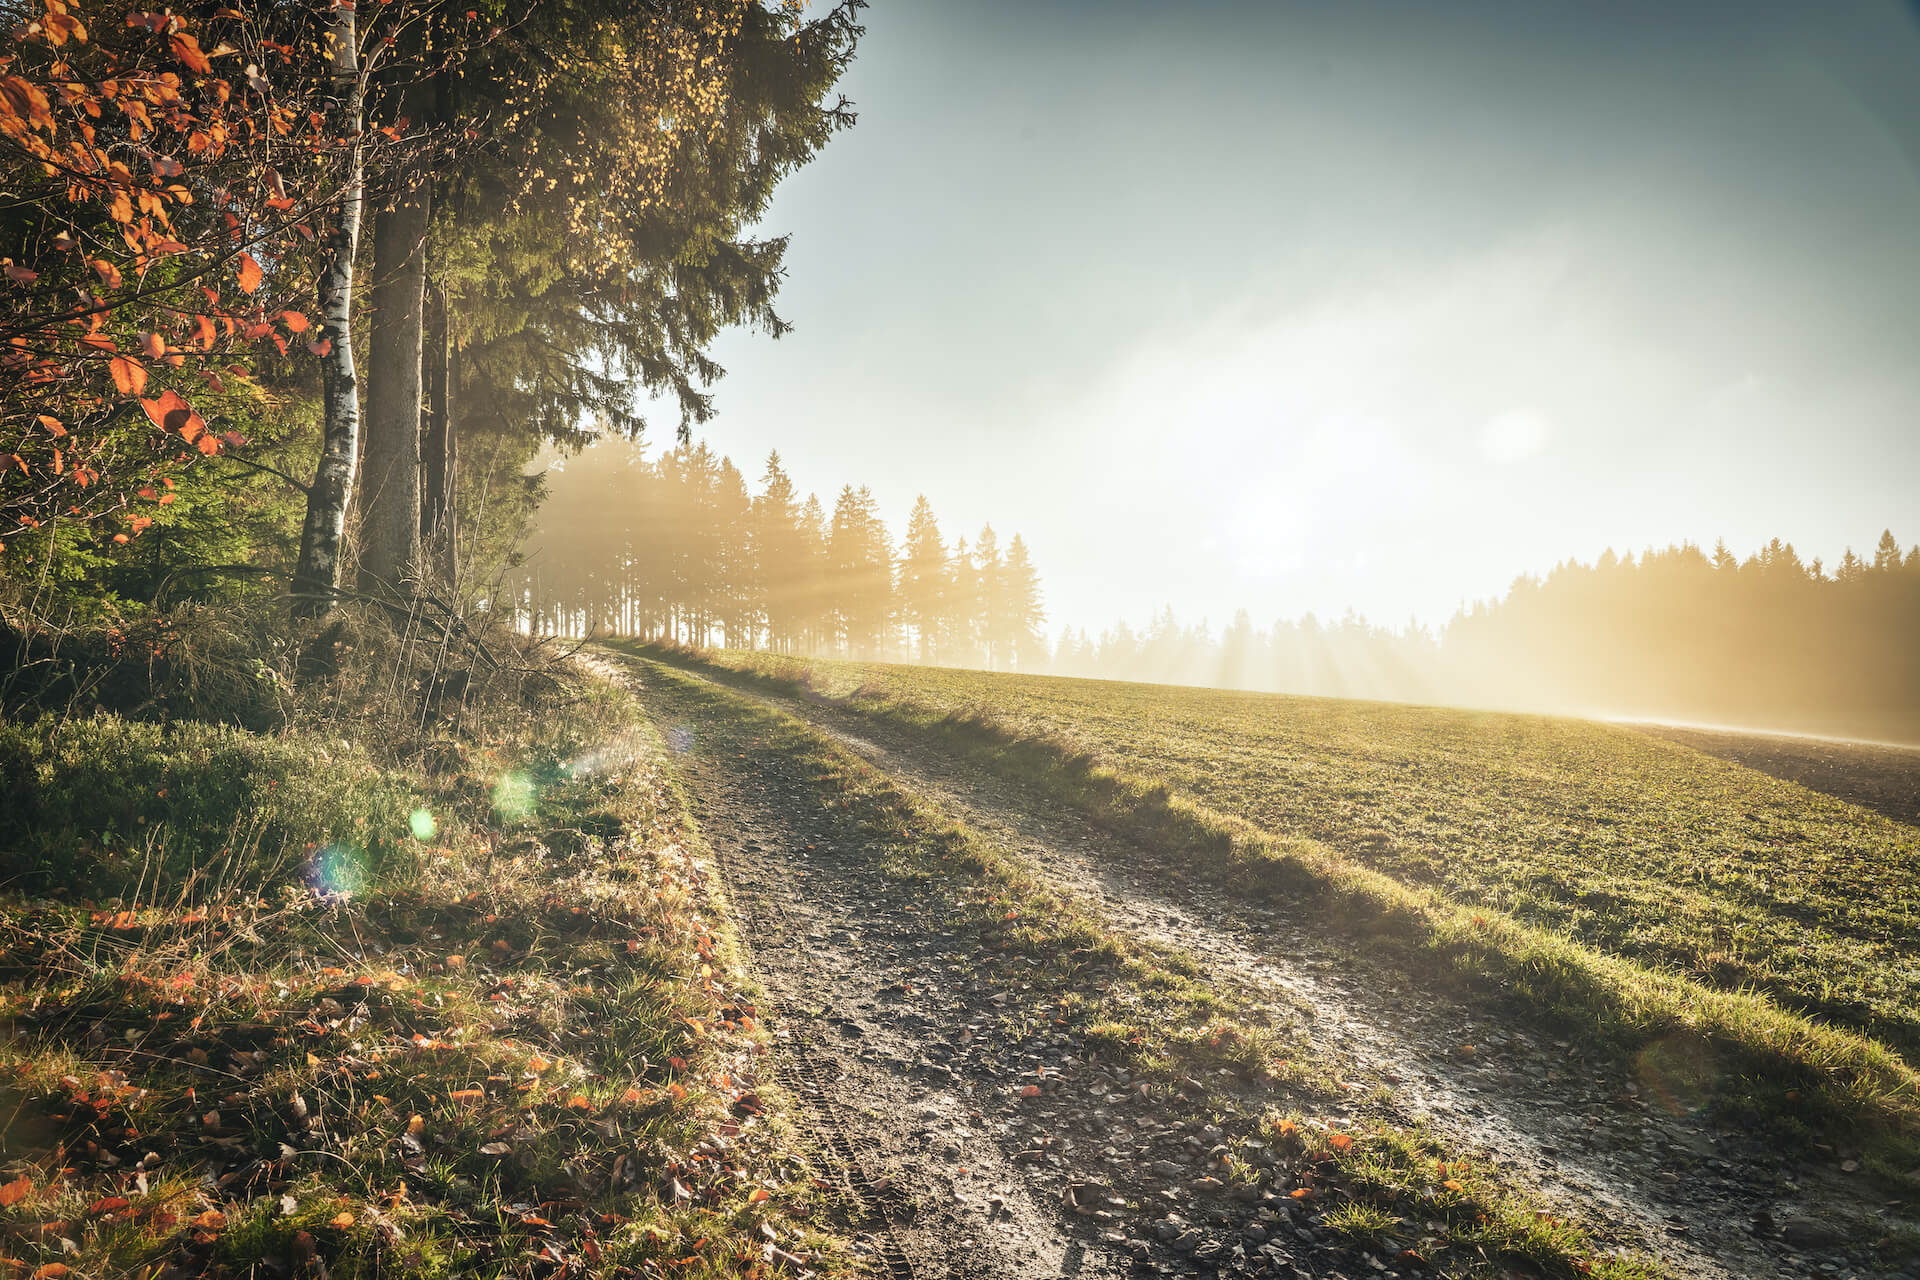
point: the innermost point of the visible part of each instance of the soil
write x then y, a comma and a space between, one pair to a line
1877, 776
916, 1056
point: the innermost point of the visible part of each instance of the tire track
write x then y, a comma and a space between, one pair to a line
830, 940
1594, 1137
800, 1070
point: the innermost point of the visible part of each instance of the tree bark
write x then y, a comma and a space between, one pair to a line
390, 524
437, 455
317, 573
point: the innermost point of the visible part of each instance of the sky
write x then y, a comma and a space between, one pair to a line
1316, 306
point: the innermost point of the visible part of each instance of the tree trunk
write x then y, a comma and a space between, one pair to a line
390, 523
317, 573
436, 443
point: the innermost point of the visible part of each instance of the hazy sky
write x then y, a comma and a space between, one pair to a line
1314, 305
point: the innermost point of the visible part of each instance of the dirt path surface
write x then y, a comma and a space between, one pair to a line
1873, 775
1604, 1141
865, 998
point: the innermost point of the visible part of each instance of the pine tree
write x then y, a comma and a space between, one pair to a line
959, 633
1022, 612
1886, 556
922, 581
780, 557
989, 597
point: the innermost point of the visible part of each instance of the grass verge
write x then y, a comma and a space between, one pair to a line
1141, 1006
1739, 1052
484, 1019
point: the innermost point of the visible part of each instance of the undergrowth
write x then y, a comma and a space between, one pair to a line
460, 1002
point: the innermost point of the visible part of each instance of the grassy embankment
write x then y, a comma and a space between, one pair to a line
272, 1004
1141, 1006
1626, 889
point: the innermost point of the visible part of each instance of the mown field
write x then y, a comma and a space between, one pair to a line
1633, 845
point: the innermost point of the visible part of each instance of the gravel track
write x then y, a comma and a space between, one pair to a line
1605, 1141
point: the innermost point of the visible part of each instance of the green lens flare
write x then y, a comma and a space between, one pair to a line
339, 871
513, 797
422, 825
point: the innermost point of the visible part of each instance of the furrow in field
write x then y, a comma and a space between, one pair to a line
1607, 1139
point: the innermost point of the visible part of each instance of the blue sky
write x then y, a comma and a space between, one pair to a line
1373, 305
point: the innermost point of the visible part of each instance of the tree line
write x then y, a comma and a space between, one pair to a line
681, 548
677, 548
1771, 640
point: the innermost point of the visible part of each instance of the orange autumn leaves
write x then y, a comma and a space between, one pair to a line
155, 169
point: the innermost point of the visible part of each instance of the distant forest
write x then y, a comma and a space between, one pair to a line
678, 548
675, 548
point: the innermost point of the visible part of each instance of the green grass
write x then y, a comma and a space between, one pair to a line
1135, 758
1141, 1005
447, 1048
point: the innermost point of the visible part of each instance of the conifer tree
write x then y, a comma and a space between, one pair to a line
989, 598
1022, 611
960, 636
922, 587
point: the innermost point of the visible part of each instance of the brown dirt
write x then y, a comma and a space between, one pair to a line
1873, 775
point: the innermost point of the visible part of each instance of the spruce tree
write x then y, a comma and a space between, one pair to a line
923, 579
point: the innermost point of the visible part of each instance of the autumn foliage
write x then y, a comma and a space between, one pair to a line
149, 155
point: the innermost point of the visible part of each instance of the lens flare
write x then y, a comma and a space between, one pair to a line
421, 823
337, 871
1679, 1071
513, 797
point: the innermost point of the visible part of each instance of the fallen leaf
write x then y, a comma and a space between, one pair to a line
129, 375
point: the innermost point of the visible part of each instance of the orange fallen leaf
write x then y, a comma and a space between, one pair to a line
16, 1191
340, 1221
129, 375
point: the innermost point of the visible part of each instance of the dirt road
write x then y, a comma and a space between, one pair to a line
840, 944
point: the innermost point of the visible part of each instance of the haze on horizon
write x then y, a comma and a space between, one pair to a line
1308, 306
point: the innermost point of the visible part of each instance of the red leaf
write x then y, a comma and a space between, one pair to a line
295, 322
321, 348
250, 273
129, 375
170, 413
16, 1191
154, 345
187, 49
